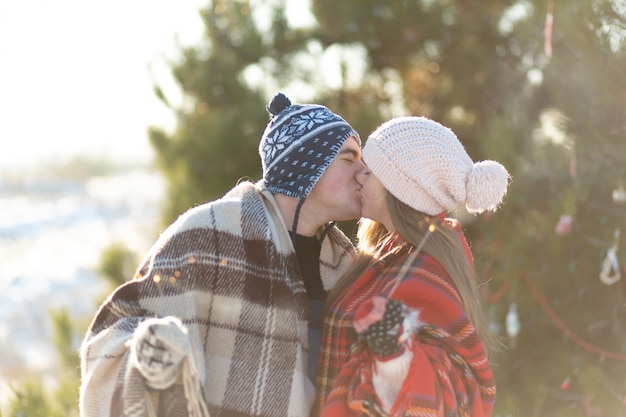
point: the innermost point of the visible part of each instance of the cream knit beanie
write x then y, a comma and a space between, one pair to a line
424, 165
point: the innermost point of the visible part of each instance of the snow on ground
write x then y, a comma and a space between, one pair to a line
51, 237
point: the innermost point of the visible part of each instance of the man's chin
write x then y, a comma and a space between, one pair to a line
349, 218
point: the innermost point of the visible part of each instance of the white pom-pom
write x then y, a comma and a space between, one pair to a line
486, 186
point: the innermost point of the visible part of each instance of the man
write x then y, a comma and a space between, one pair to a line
219, 316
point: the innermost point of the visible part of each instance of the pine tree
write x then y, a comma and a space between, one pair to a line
32, 397
215, 143
535, 84
548, 101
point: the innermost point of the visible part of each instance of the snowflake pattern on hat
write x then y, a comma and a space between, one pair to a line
299, 143
274, 145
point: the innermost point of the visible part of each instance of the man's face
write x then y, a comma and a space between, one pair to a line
336, 195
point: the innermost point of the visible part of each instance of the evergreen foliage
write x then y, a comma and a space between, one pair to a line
546, 101
219, 126
117, 264
34, 398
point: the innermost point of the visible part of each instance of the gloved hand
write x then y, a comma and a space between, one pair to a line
158, 348
385, 325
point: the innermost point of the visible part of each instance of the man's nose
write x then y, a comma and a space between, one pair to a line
362, 174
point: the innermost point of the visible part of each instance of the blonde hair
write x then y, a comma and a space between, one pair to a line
443, 245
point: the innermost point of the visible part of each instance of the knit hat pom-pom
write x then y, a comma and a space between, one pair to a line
486, 186
279, 103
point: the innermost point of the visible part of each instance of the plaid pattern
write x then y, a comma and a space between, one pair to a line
159, 347
449, 374
227, 270
153, 355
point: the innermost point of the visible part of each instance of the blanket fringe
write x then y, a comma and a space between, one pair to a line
149, 406
196, 406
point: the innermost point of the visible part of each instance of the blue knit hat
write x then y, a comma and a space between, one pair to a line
299, 143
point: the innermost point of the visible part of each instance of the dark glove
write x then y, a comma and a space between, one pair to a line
385, 325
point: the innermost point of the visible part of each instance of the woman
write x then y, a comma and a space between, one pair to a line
404, 330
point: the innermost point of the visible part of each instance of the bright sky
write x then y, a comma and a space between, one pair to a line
76, 76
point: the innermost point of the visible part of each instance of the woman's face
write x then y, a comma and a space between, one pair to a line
374, 200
